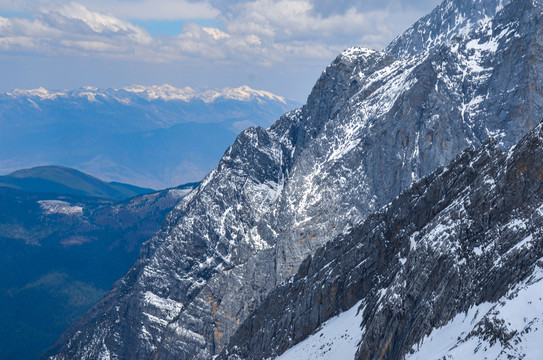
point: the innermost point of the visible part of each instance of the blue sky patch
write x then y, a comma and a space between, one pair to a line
171, 27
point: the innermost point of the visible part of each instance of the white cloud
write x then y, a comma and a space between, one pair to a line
257, 32
253, 40
90, 46
73, 16
4, 23
72, 29
216, 33
17, 43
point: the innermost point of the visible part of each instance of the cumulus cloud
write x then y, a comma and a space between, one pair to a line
259, 31
216, 33
71, 29
78, 20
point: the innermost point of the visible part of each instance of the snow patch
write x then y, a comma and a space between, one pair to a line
256, 241
516, 224
337, 339
59, 207
168, 307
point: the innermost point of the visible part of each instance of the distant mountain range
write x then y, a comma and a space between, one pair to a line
155, 137
64, 240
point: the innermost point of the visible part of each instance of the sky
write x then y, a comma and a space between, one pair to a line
277, 45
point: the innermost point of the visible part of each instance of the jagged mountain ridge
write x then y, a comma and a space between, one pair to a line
371, 126
465, 235
155, 136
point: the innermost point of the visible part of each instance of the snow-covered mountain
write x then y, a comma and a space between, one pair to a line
152, 136
374, 123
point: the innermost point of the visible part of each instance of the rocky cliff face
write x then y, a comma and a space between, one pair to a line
465, 235
373, 124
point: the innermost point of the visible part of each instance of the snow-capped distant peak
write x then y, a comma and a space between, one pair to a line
167, 93
242, 93
41, 92
163, 92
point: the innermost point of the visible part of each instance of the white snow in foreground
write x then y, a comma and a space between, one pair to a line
519, 314
337, 340
59, 207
